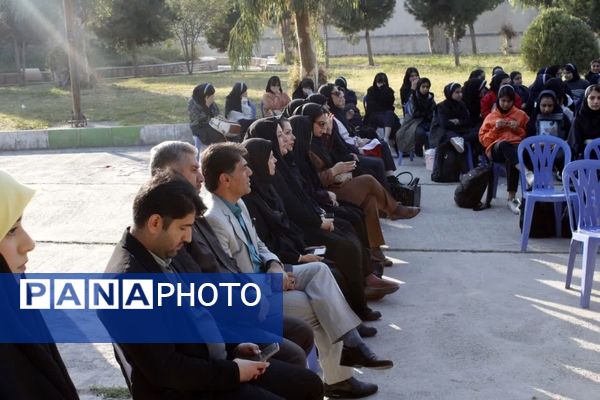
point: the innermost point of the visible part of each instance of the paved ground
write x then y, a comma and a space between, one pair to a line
474, 319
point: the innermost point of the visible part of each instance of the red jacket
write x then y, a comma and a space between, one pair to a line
489, 100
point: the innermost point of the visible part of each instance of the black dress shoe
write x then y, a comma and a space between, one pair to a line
366, 331
362, 356
350, 389
369, 315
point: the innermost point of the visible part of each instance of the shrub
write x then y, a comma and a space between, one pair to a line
556, 38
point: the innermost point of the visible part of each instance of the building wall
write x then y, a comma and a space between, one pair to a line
403, 34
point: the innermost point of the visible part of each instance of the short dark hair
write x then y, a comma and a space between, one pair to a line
220, 158
168, 195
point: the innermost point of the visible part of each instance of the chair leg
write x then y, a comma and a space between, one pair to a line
411, 155
558, 207
571, 263
527, 217
587, 273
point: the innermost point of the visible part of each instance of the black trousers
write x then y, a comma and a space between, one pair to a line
280, 381
504, 152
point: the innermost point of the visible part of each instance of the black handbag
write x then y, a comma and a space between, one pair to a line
409, 194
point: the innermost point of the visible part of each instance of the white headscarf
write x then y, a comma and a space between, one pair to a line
14, 197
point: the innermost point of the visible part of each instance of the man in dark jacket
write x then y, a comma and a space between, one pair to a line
164, 212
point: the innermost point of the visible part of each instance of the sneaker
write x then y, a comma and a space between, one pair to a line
514, 205
458, 143
529, 178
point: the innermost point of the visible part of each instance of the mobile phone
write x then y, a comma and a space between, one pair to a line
329, 215
320, 251
268, 351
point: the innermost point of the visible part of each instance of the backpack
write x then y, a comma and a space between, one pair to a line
471, 187
543, 220
448, 164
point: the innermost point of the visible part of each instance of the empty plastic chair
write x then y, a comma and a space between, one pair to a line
592, 150
581, 177
542, 151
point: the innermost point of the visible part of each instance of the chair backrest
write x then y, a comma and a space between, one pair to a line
542, 151
592, 150
581, 177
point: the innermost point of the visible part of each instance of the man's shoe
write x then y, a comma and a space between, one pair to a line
377, 255
369, 315
384, 285
514, 205
361, 356
372, 294
404, 212
366, 331
350, 389
458, 143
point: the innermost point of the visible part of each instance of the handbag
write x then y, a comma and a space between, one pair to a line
231, 130
409, 194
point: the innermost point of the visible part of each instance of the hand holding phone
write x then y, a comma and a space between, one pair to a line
268, 352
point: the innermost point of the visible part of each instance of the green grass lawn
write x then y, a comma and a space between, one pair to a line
164, 99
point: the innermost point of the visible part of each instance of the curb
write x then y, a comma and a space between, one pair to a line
116, 136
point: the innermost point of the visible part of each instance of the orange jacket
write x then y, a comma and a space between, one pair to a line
489, 134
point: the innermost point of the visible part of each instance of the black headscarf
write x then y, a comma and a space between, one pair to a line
505, 91
423, 103
471, 97
340, 81
302, 128
290, 109
476, 74
559, 88
317, 98
380, 98
497, 81
271, 81
233, 101
259, 151
304, 83
406, 88
200, 93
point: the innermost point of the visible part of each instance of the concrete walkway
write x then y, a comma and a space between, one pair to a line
474, 318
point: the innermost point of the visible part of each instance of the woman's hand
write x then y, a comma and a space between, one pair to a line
333, 198
306, 258
343, 167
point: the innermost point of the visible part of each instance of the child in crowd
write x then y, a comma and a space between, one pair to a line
516, 79
548, 117
379, 106
305, 88
575, 83
417, 122
409, 84
473, 92
477, 74
274, 99
238, 108
489, 100
502, 131
594, 73
586, 123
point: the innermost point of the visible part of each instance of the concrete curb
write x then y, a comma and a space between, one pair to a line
116, 136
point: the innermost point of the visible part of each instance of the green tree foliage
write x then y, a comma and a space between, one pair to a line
219, 26
369, 16
453, 15
127, 24
549, 40
190, 22
587, 10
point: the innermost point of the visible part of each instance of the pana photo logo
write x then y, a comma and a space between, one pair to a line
133, 294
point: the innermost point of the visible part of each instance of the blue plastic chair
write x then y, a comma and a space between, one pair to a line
542, 151
592, 148
498, 170
582, 177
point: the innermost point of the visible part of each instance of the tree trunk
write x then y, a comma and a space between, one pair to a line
18, 60
287, 39
326, 44
192, 55
308, 59
455, 49
437, 40
24, 61
369, 49
473, 39
134, 58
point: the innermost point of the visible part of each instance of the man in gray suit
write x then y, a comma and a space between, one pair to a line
311, 292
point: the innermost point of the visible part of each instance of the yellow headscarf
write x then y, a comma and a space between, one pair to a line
14, 197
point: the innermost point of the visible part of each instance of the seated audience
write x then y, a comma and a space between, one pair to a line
593, 74
548, 117
413, 135
310, 292
563, 96
164, 211
349, 95
488, 102
27, 371
379, 106
473, 92
477, 74
238, 108
409, 85
305, 88
274, 99
575, 83
201, 108
516, 80
502, 131
586, 125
